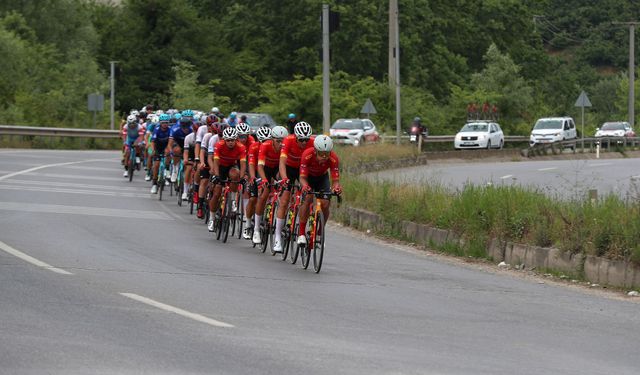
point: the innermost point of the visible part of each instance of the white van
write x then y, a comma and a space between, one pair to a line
553, 129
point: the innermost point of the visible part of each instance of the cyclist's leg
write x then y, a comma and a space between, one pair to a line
261, 202
293, 175
202, 188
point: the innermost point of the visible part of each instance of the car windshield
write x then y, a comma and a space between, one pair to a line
613, 126
548, 124
348, 124
474, 128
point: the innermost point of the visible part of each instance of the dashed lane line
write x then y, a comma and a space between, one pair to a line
507, 176
80, 210
547, 169
7, 176
27, 258
175, 310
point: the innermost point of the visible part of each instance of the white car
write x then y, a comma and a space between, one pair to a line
553, 129
615, 129
354, 131
479, 134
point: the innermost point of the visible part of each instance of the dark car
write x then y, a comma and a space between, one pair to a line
257, 120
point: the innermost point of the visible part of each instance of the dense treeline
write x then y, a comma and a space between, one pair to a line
532, 58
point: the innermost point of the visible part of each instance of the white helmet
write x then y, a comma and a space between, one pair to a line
243, 129
132, 119
134, 112
152, 119
302, 130
279, 132
263, 133
229, 133
323, 143
215, 110
159, 112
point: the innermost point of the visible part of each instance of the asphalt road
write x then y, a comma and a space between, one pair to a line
563, 179
131, 285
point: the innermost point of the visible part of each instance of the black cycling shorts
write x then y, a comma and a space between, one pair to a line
320, 183
293, 174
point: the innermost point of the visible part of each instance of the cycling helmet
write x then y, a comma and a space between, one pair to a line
134, 112
233, 114
153, 119
215, 110
159, 112
165, 117
177, 115
263, 133
302, 130
131, 119
211, 119
229, 134
292, 116
323, 143
187, 113
243, 129
417, 119
279, 132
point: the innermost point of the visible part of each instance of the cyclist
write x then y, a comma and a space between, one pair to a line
263, 134
188, 158
160, 145
202, 170
133, 133
291, 122
268, 162
227, 155
233, 119
152, 123
179, 131
314, 164
245, 137
289, 166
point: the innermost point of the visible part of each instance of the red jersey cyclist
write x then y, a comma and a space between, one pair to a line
227, 155
263, 134
292, 149
315, 166
268, 168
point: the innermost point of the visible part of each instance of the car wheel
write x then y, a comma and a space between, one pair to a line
488, 145
501, 144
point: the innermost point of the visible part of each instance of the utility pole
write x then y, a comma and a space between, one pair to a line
632, 64
393, 6
113, 69
393, 19
326, 103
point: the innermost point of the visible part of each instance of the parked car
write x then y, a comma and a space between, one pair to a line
553, 129
615, 129
257, 120
354, 131
479, 134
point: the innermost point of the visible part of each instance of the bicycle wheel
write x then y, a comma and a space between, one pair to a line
286, 235
226, 220
190, 199
318, 242
294, 250
132, 163
264, 228
272, 225
179, 191
240, 215
305, 251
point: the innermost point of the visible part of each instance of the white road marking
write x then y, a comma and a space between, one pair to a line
114, 193
599, 165
79, 210
186, 314
47, 166
32, 260
507, 176
117, 177
547, 169
46, 182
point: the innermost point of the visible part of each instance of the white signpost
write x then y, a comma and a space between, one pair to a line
583, 101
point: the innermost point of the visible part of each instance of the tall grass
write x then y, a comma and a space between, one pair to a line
608, 227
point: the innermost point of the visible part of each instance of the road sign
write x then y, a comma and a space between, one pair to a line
583, 100
96, 102
368, 108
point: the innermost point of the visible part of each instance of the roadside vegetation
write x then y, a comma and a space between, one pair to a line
608, 227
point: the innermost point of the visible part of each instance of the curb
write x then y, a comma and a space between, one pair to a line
594, 269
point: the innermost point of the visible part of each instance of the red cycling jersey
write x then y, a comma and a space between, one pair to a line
254, 151
311, 166
292, 151
269, 157
229, 156
247, 143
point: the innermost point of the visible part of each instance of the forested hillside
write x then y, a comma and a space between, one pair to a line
532, 58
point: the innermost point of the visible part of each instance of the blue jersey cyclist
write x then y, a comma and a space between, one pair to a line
159, 146
178, 133
133, 134
151, 125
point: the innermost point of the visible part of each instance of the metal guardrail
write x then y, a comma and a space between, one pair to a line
58, 132
450, 138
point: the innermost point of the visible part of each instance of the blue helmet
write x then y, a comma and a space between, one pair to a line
187, 113
165, 117
292, 115
233, 114
177, 116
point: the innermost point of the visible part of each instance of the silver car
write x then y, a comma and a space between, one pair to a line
354, 131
